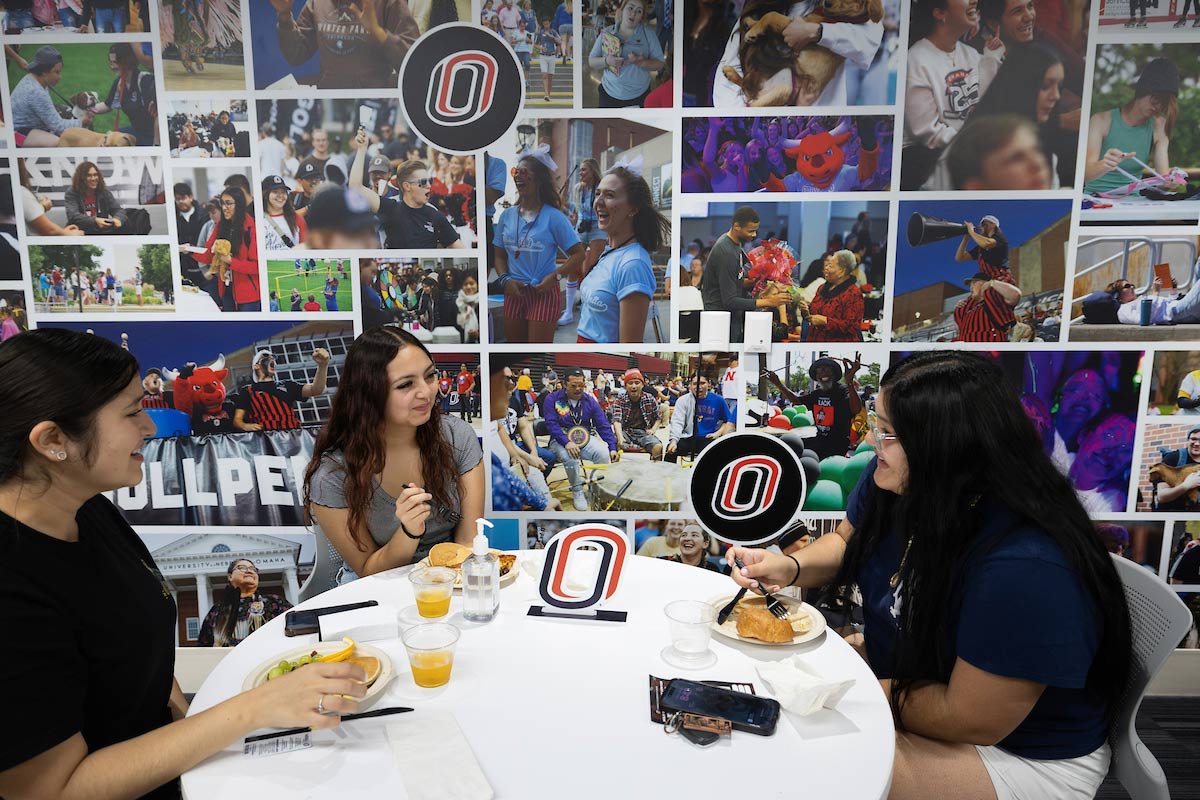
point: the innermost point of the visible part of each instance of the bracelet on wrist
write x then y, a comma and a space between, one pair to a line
795, 577
409, 535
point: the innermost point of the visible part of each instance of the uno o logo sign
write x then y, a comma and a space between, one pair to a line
746, 485
747, 488
567, 563
461, 87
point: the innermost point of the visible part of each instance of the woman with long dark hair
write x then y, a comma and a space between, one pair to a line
241, 610
528, 237
236, 269
995, 619
390, 475
95, 615
90, 205
618, 291
707, 25
1029, 84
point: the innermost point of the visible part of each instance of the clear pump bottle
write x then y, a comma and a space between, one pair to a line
481, 579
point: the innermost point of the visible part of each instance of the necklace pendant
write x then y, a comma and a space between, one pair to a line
895, 581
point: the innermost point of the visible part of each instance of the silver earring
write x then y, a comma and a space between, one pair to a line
60, 455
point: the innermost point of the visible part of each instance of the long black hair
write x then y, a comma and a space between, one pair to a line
966, 438
227, 616
233, 229
60, 375
1015, 88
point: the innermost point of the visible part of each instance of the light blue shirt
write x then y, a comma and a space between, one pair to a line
494, 178
538, 242
618, 274
33, 108
632, 80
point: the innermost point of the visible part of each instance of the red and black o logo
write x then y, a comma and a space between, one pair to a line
461, 87
747, 489
608, 548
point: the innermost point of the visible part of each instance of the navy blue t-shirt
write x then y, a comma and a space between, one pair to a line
1020, 612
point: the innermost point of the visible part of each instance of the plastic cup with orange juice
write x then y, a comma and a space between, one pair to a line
432, 587
431, 652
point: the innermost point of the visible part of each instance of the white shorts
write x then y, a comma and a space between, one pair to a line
1017, 778
547, 64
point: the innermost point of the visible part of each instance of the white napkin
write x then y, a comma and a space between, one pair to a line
435, 758
360, 624
801, 689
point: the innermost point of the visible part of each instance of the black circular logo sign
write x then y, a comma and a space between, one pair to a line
461, 87
747, 488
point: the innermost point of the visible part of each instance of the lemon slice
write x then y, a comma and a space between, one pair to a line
340, 655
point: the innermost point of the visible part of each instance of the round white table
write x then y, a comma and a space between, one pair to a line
555, 707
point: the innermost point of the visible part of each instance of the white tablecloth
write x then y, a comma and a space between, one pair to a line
560, 708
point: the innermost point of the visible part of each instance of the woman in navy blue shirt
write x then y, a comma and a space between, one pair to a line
995, 619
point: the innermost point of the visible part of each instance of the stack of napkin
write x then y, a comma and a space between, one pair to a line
801, 689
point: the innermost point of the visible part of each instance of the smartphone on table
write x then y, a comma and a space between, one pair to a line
298, 623
747, 712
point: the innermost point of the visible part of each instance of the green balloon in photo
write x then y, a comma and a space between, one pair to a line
864, 447
802, 420
854, 470
833, 467
825, 496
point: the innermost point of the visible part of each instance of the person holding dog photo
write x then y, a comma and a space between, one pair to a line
35, 118
856, 42
133, 93
627, 55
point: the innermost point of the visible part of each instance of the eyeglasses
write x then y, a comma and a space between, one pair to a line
518, 172
228, 204
244, 568
1125, 286
881, 439
424, 183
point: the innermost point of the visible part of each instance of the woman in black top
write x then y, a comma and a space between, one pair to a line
100, 713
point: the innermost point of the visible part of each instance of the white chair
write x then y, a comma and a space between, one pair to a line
1158, 620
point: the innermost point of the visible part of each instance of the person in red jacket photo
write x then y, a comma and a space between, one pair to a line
836, 311
464, 382
237, 270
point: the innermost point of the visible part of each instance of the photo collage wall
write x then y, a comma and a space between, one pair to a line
235, 190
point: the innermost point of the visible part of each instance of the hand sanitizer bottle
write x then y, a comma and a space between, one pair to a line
481, 580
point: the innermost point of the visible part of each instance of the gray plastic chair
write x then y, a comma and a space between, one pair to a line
1158, 621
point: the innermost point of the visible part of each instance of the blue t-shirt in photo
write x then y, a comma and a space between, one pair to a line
618, 274
632, 80
1020, 611
537, 241
495, 176
713, 413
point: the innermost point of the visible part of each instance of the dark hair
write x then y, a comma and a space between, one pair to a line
982, 446
1015, 88
58, 375
992, 10
979, 138
744, 216
233, 229
289, 210
572, 372
650, 227
356, 422
81, 170
182, 189
544, 181
922, 22
239, 180
231, 598
125, 55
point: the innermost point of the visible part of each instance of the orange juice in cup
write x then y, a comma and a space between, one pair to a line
431, 652
432, 587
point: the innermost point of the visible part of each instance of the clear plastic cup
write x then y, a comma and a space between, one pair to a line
432, 587
691, 624
431, 652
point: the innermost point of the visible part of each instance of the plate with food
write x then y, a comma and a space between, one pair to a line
751, 622
452, 555
373, 661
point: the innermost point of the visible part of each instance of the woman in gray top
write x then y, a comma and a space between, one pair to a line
90, 205
390, 476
